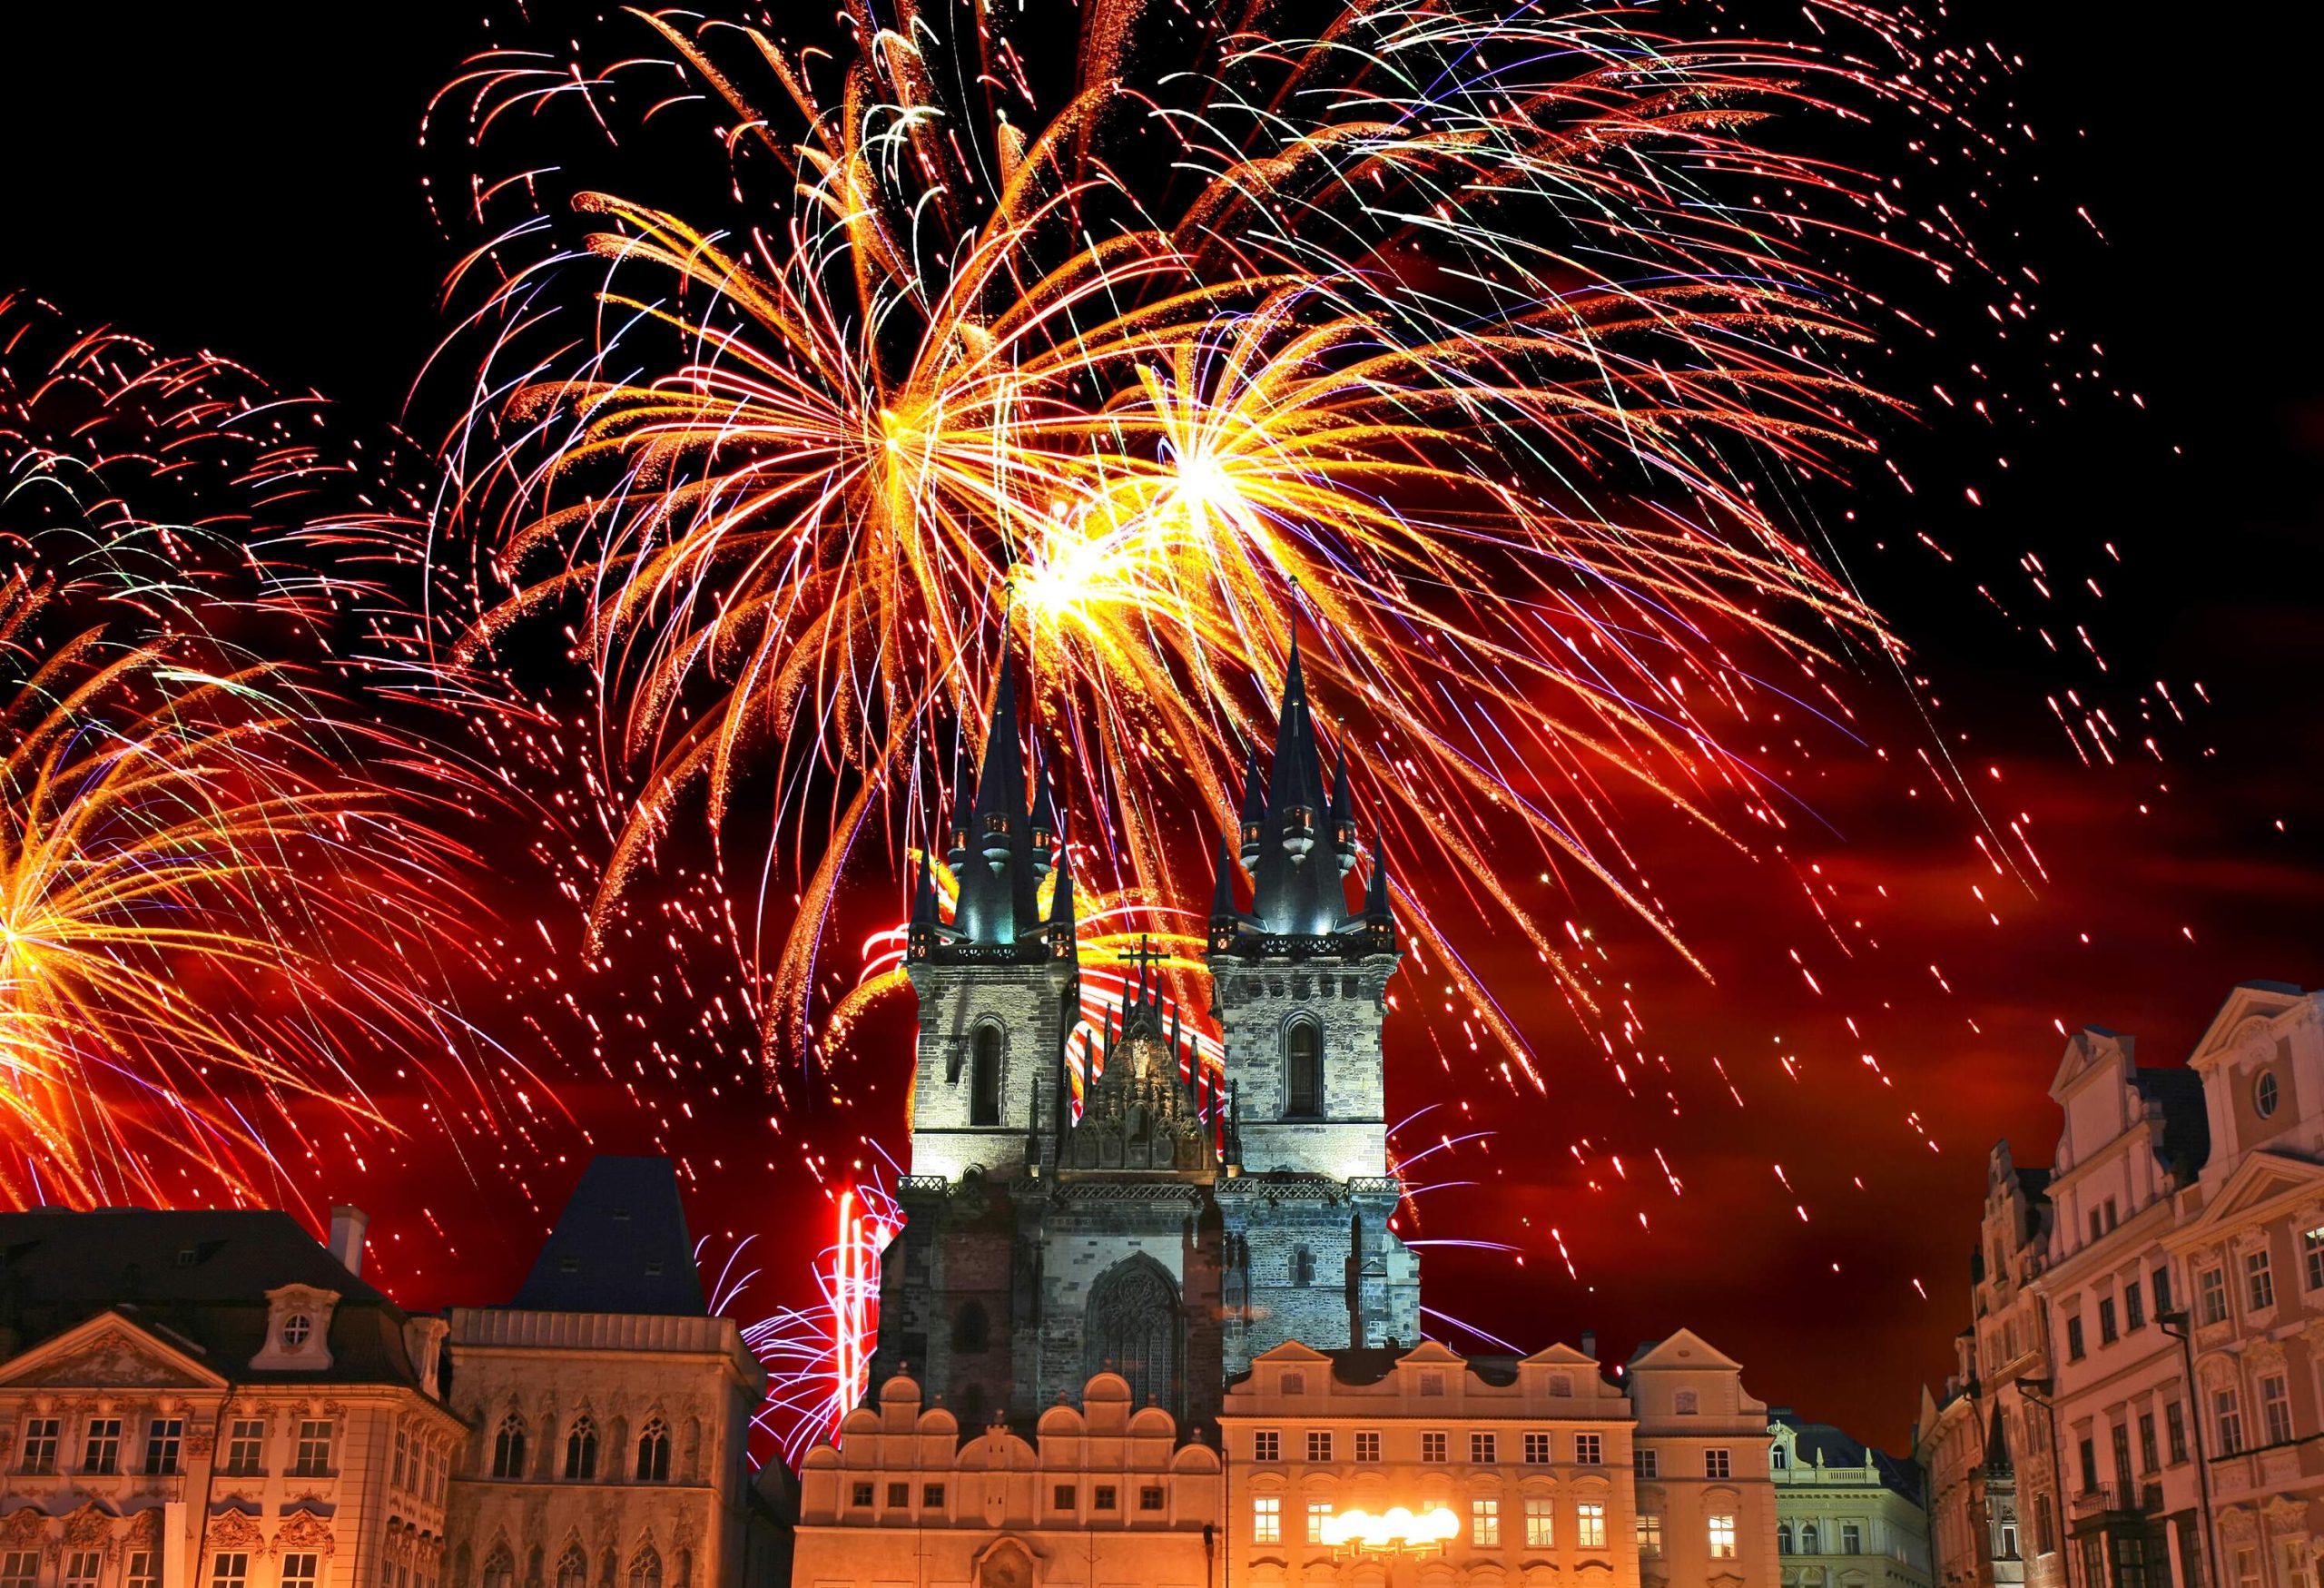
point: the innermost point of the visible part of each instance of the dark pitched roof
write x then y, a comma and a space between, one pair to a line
200, 1275
2186, 1122
1837, 1449
620, 1246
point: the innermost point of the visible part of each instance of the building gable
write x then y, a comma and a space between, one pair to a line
2261, 1181
108, 1351
2248, 1008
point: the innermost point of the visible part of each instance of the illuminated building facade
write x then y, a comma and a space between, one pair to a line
214, 1398
1847, 1515
1076, 1206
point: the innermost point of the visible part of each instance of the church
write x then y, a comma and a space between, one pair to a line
1172, 1223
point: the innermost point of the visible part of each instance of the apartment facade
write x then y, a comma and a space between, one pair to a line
1847, 1515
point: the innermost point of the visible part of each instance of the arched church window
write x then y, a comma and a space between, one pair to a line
500, 1568
573, 1569
1303, 1065
508, 1448
1302, 1268
645, 1568
654, 1453
1132, 1328
581, 1450
971, 1330
984, 1078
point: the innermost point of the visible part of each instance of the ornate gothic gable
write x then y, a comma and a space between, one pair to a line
1138, 1113
108, 1352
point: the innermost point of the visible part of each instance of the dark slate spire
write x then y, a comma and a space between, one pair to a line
995, 859
1379, 919
1343, 818
620, 1246
1222, 891
1044, 818
920, 938
1255, 807
1294, 890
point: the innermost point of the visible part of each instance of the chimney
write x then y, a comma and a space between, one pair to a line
1590, 1343
347, 1226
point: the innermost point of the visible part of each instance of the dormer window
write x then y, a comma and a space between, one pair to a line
296, 1330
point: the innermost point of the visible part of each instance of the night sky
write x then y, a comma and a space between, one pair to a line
245, 180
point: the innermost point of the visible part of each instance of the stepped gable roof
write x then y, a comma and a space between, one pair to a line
620, 1246
1838, 1448
197, 1278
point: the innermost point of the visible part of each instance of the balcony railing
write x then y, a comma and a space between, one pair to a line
2119, 1499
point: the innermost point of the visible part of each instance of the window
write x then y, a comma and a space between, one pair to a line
1432, 1448
862, 1494
645, 1568
81, 1569
1150, 1497
1266, 1445
2147, 1460
1722, 1537
1811, 1543
2259, 1280
1102, 1497
1715, 1463
2229, 1419
2247, 1567
163, 1437
1484, 1522
1783, 1538
101, 1446
1537, 1450
2175, 1425
2074, 1348
1267, 1519
1303, 1089
1319, 1444
2108, 1331
1540, 1523
1778, 1458
298, 1571
1649, 1464
1484, 1449
2312, 1252
314, 1459
231, 1569
1431, 1382
2046, 1538
581, 1450
1684, 1404
2275, 1409
1590, 1526
1061, 1497
295, 1330
1302, 1268
654, 1453
1319, 1517
2265, 1094
500, 1569
1561, 1385
1293, 1383
2096, 1227
899, 1496
19, 1568
143, 1570
984, 1078
40, 1444
2134, 1308
2009, 1541
2163, 1290
1851, 1538
572, 1568
1367, 1446
2122, 1456
1649, 1533
1589, 1449
507, 1448
2211, 1290
2089, 1467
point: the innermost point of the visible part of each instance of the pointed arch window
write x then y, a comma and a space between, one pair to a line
984, 1077
581, 1450
654, 1453
645, 1568
508, 1448
573, 1569
1303, 1089
500, 1568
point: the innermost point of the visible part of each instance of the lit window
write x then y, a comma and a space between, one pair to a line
1484, 1522
1319, 1444
1716, 1465
314, 1449
41, 1435
1481, 1448
1722, 1537
298, 1571
2275, 1409
1319, 1518
101, 1446
81, 1569
2210, 1288
1367, 1446
1649, 1464
1649, 1533
1432, 1447
1540, 1525
1589, 1449
1266, 1445
163, 1437
2259, 1280
1590, 1526
1267, 1519
1537, 1450
230, 1569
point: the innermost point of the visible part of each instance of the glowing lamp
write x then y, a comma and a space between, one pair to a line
1397, 1529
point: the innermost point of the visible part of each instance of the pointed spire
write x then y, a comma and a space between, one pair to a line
1044, 817
1061, 900
1342, 815
923, 895
1001, 781
1221, 889
1255, 805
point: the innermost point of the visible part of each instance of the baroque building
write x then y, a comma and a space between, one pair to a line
214, 1398
609, 1411
1847, 1515
1155, 1220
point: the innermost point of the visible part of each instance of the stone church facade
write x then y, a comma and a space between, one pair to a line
1162, 1220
